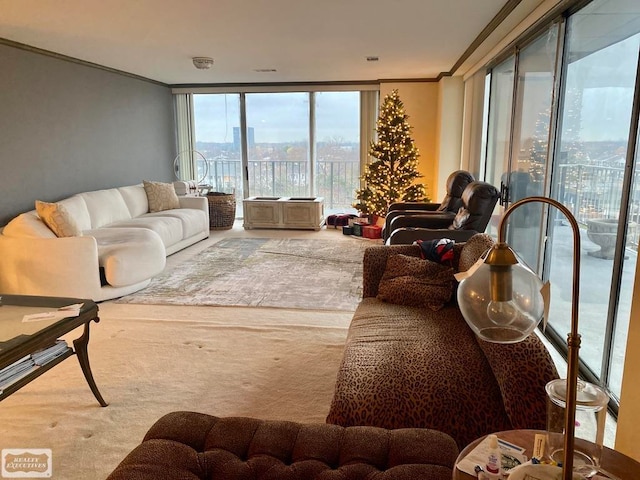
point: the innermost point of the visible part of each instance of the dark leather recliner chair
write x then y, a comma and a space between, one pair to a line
478, 199
456, 183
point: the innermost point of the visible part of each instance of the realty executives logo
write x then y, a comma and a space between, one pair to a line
26, 463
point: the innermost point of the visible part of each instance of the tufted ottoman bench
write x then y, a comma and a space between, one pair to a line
188, 445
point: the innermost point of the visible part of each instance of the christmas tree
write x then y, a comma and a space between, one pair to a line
390, 177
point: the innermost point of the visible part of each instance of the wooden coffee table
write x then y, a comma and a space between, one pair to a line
19, 339
615, 462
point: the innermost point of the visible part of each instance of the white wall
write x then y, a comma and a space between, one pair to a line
450, 110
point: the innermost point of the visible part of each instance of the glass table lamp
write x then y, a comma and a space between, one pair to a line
502, 297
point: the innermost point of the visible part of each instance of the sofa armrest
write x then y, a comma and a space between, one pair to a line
45, 266
198, 203
522, 370
466, 252
374, 263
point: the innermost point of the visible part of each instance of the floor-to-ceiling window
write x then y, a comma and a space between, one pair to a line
591, 175
278, 144
293, 144
499, 133
337, 147
563, 127
217, 137
530, 141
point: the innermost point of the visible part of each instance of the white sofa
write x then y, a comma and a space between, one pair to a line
121, 248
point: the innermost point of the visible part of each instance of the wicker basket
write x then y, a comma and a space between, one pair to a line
222, 210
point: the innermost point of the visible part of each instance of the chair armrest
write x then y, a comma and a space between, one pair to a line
414, 206
404, 236
393, 214
426, 220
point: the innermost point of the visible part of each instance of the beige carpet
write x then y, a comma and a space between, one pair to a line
149, 360
264, 363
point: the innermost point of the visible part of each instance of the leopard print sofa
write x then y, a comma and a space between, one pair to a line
417, 367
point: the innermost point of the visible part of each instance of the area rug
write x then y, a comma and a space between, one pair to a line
261, 363
264, 272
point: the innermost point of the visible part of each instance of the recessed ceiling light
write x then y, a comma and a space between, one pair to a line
372, 59
265, 70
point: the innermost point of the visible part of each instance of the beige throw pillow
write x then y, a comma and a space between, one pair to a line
58, 219
161, 196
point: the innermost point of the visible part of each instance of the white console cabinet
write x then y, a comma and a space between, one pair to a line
284, 212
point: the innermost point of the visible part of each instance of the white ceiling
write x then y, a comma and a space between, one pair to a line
304, 41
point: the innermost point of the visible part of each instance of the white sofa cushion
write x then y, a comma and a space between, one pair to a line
136, 199
192, 219
105, 207
168, 228
129, 255
77, 208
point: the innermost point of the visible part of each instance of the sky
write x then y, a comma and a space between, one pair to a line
606, 81
278, 117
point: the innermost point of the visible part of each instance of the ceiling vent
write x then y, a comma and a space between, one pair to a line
203, 63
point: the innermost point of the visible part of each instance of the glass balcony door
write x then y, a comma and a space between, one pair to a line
499, 134
595, 175
217, 137
530, 166
562, 127
278, 141
337, 148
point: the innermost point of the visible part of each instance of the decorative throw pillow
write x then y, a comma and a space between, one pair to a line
58, 219
415, 282
461, 218
161, 196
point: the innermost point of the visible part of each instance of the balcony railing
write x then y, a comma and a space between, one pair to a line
595, 192
335, 180
589, 191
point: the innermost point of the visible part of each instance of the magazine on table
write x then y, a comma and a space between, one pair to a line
21, 368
